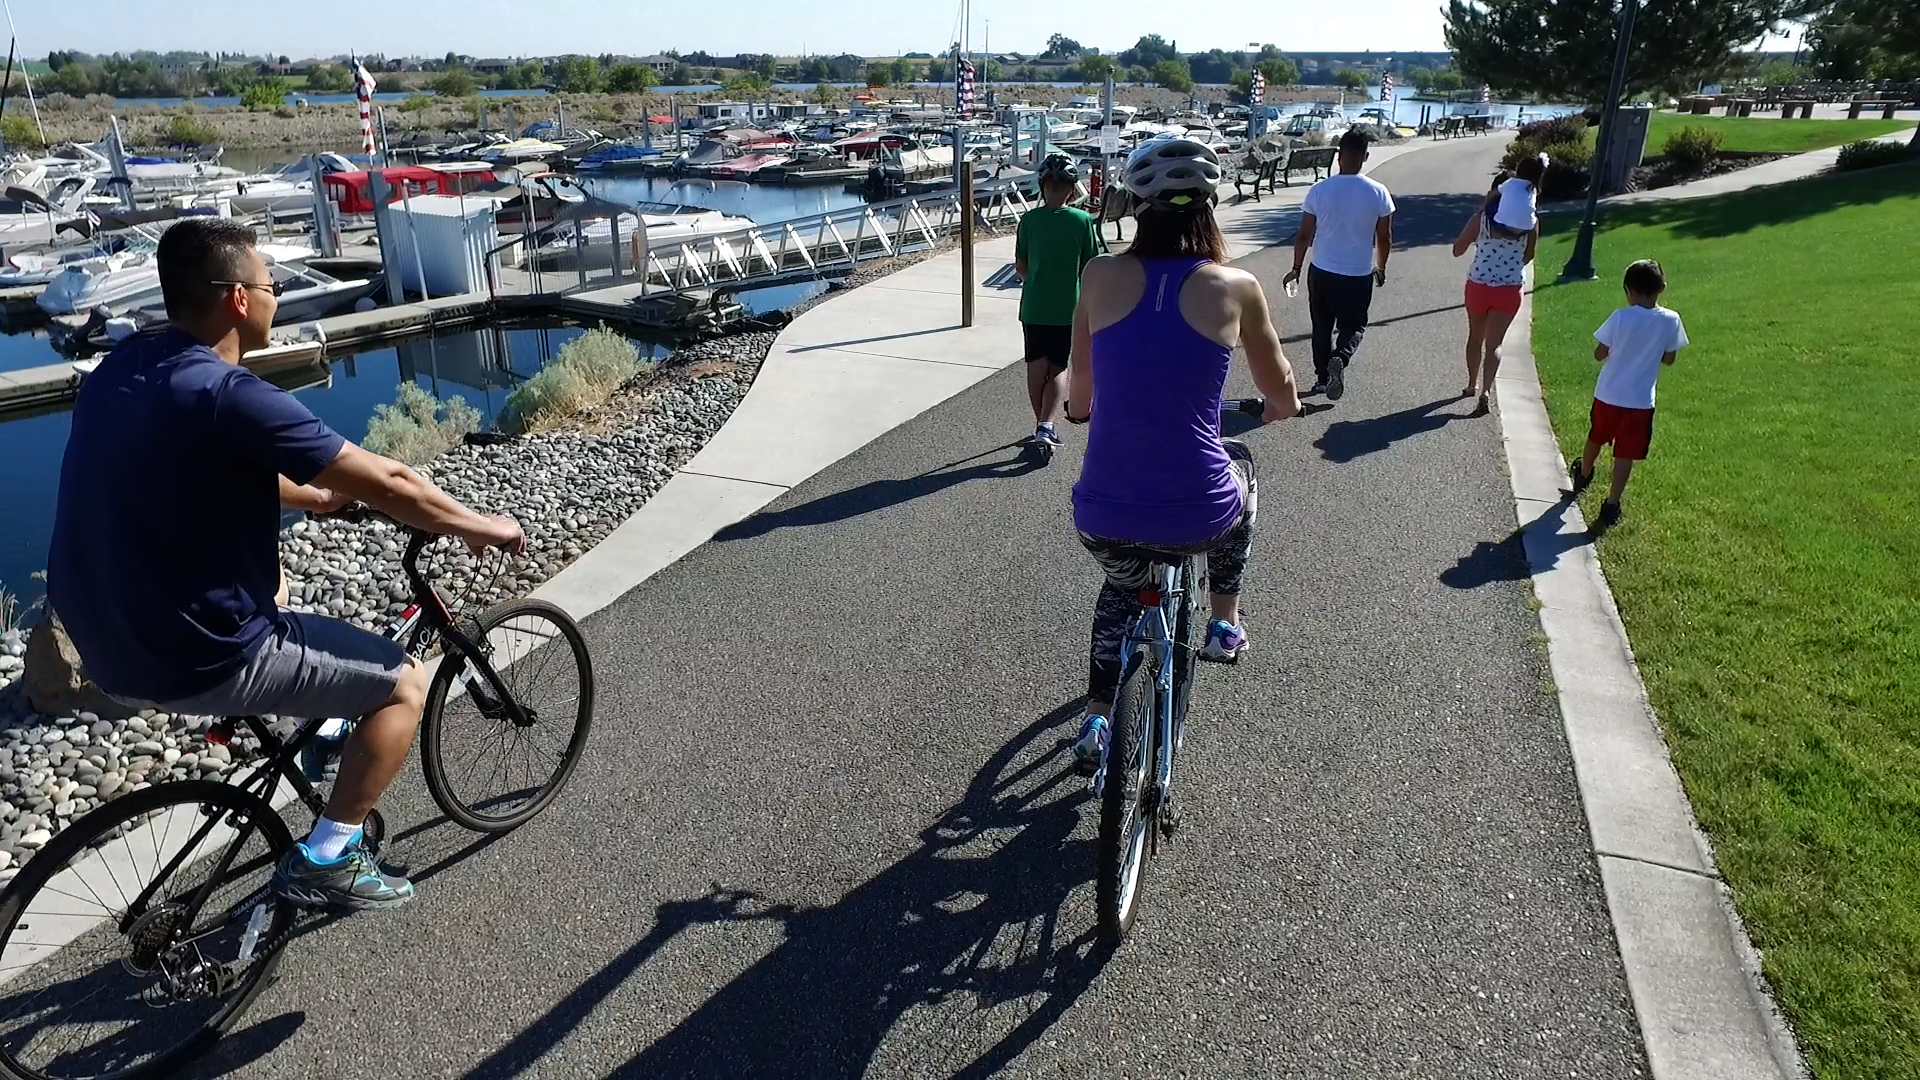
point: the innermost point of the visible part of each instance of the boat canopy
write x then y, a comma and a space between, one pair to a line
354, 191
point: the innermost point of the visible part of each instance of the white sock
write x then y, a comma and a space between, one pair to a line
329, 839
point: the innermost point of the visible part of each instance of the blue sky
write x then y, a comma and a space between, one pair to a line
868, 27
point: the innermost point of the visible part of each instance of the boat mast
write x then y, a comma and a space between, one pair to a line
26, 75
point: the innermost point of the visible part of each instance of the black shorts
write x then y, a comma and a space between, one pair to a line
1054, 344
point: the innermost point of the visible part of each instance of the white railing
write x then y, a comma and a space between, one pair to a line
799, 249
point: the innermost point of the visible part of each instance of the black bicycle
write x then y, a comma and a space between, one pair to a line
135, 938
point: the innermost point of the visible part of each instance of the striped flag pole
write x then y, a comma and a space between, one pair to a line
363, 92
1257, 93
963, 87
1486, 94
1386, 86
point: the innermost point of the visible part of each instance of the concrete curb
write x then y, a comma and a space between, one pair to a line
1704, 1009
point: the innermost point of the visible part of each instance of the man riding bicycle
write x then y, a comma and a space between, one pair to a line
1153, 342
164, 566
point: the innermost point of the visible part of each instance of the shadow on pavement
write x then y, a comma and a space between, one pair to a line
1348, 440
1532, 548
244, 1047
997, 868
880, 494
1427, 220
872, 340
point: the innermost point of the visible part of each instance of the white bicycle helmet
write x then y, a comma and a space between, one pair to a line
1173, 173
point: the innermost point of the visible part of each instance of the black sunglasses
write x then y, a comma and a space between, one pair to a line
277, 288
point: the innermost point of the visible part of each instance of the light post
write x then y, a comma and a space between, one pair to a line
1580, 264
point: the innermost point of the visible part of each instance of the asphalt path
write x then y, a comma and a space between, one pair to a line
825, 827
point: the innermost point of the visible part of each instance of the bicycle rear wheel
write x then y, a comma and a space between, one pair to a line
1186, 651
1124, 818
100, 982
486, 772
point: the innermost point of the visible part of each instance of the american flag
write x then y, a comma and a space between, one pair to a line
363, 91
1257, 93
1386, 86
1486, 94
963, 87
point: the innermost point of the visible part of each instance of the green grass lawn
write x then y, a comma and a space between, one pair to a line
1767, 135
1768, 570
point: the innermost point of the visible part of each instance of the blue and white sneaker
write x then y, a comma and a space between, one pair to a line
1225, 642
1045, 437
1090, 748
354, 881
320, 757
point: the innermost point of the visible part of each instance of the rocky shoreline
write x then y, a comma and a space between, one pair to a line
568, 488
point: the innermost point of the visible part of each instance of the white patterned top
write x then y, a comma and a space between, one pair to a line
1497, 261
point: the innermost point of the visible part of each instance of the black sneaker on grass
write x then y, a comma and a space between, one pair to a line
1609, 517
1580, 480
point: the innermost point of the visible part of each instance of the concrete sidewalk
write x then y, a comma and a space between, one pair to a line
1786, 170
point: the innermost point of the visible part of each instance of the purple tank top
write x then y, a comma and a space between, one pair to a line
1155, 470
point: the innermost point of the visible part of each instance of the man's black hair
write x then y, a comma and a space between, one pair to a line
1355, 141
1646, 278
196, 252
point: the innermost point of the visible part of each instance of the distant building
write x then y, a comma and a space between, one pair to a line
492, 66
658, 64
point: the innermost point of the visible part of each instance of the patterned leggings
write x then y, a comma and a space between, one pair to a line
1129, 568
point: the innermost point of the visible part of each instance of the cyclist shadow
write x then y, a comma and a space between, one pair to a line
973, 914
880, 494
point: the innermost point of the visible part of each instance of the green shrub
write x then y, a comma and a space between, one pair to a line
1560, 129
1692, 148
414, 431
21, 133
585, 373
1870, 154
189, 131
416, 102
263, 95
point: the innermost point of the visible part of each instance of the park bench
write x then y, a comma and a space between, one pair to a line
1886, 108
1448, 127
1740, 107
1261, 164
1317, 159
1803, 107
1479, 125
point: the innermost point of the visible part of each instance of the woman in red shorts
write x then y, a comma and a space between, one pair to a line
1494, 284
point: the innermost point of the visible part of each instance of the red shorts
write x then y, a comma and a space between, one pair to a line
1482, 299
1629, 430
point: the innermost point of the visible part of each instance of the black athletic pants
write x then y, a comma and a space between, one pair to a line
1339, 305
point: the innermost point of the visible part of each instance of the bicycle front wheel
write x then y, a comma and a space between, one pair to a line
140, 933
1125, 816
485, 771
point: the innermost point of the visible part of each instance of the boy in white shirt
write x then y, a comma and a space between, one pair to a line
1635, 343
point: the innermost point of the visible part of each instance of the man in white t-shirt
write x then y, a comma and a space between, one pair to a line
1634, 343
1347, 222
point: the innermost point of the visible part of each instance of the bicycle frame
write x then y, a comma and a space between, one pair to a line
1159, 613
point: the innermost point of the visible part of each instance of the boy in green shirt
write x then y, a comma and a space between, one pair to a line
1055, 241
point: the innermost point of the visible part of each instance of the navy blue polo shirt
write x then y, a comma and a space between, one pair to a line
164, 564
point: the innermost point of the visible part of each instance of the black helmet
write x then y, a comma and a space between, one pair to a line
1059, 167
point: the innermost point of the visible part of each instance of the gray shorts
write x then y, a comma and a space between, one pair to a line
311, 668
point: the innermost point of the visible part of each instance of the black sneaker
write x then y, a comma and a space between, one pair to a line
1580, 480
1317, 388
353, 881
1609, 517
1336, 382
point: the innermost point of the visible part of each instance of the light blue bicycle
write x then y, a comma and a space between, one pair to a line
1135, 778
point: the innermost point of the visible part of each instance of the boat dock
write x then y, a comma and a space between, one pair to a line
683, 284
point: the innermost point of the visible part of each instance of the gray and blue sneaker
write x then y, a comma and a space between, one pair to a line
1045, 435
1225, 642
1090, 748
354, 881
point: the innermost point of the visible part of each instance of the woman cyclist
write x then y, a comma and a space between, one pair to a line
1153, 342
